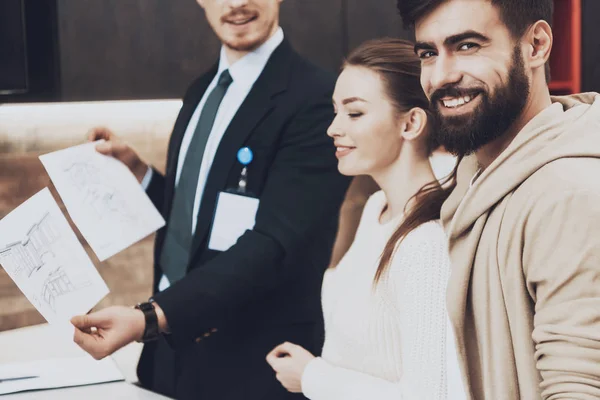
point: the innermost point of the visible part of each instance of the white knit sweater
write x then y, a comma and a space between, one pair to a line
394, 341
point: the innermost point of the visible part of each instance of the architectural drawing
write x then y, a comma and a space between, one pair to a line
33, 251
99, 196
103, 197
42, 255
36, 251
57, 284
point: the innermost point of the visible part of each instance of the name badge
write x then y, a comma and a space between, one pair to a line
234, 215
236, 211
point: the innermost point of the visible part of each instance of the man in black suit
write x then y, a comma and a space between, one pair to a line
218, 310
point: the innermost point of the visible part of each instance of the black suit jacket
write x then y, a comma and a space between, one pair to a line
266, 288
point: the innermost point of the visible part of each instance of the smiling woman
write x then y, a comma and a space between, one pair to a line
396, 270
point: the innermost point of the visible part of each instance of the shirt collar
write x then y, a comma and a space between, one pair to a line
248, 68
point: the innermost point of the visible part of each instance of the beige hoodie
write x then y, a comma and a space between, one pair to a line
524, 295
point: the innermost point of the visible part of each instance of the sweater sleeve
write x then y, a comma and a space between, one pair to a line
323, 381
561, 262
417, 285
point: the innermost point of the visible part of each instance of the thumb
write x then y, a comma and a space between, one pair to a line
104, 148
84, 322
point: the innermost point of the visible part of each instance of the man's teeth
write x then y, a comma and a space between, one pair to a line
241, 22
460, 101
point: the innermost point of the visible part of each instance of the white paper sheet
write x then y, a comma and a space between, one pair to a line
235, 215
40, 252
58, 373
103, 198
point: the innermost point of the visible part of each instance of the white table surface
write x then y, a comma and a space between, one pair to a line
42, 342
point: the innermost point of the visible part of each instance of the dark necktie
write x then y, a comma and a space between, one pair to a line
178, 240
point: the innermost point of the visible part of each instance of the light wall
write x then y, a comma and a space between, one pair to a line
42, 128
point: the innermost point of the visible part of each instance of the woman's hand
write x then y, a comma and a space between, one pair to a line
289, 362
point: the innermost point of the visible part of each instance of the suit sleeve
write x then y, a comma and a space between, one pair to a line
562, 268
303, 188
156, 189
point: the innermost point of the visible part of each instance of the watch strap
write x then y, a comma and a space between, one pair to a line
151, 330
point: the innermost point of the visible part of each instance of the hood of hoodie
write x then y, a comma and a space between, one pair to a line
570, 127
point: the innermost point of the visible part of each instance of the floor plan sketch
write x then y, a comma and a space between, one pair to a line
41, 253
103, 198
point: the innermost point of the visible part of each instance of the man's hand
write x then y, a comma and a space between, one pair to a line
289, 362
117, 148
106, 331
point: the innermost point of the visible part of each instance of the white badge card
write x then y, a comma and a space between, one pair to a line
234, 215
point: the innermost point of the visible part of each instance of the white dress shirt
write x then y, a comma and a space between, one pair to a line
244, 73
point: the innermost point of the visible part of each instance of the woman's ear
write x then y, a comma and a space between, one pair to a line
414, 123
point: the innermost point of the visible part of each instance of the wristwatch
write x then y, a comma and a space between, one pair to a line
151, 331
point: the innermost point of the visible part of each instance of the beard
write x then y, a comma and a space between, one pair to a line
463, 135
251, 40
244, 44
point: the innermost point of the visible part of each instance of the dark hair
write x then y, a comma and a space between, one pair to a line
517, 15
400, 69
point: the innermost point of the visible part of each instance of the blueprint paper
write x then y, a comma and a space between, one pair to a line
41, 253
103, 198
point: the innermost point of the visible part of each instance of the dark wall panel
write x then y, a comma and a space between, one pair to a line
368, 19
315, 29
115, 49
591, 46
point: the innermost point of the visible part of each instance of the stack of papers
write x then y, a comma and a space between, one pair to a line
57, 373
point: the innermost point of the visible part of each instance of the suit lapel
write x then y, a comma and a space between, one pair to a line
191, 101
257, 106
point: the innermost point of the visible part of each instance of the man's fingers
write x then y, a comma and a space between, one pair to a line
90, 344
82, 338
99, 134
